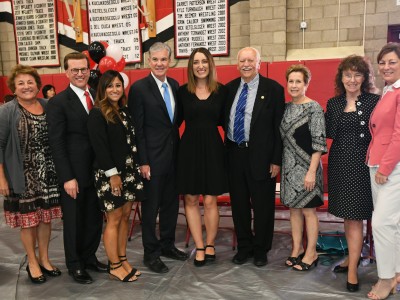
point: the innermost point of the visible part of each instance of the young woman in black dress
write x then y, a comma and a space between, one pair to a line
117, 177
201, 169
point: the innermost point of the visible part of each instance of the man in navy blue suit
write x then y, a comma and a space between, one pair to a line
254, 156
152, 103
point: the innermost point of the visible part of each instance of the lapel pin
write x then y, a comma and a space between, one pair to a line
262, 97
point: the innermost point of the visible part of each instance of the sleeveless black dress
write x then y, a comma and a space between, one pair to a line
201, 167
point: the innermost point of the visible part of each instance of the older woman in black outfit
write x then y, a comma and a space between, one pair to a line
347, 117
117, 177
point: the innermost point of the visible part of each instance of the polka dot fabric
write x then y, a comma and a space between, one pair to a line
349, 184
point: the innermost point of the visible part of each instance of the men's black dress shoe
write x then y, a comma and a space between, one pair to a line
80, 276
175, 253
352, 287
37, 280
53, 273
260, 261
97, 267
241, 257
156, 265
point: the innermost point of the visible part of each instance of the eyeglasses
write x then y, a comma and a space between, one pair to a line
76, 71
356, 76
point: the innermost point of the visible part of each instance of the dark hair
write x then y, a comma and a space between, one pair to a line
109, 111
355, 63
212, 83
47, 88
22, 69
301, 69
75, 56
389, 47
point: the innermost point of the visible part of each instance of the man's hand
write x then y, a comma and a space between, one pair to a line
274, 170
71, 188
145, 171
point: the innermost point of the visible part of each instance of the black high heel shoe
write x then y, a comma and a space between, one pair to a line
210, 257
36, 280
294, 260
199, 263
304, 266
352, 287
343, 269
53, 273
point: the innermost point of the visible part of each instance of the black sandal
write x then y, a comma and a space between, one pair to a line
117, 265
199, 263
304, 266
293, 260
210, 257
134, 271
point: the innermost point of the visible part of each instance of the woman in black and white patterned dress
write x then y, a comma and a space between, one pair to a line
27, 174
303, 135
117, 177
347, 118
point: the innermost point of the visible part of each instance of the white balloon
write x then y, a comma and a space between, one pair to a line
114, 51
125, 78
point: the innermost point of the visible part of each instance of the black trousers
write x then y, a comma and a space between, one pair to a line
83, 224
162, 200
248, 194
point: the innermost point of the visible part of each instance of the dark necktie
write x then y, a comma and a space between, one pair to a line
88, 101
167, 99
238, 125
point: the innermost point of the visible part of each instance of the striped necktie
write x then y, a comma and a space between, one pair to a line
238, 125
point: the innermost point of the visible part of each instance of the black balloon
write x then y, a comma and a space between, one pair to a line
94, 78
97, 51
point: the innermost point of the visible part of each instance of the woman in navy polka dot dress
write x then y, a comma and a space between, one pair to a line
347, 118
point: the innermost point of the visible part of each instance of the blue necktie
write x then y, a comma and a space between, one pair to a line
238, 125
167, 99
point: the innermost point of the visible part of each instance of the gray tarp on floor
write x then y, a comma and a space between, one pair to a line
223, 280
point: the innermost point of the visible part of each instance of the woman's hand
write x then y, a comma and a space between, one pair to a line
380, 178
116, 185
4, 190
309, 181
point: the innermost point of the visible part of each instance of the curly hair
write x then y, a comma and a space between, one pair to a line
109, 111
22, 69
355, 63
212, 83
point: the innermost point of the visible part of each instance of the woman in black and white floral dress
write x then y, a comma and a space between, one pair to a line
117, 178
303, 136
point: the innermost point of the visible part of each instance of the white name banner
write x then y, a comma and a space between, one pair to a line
201, 23
36, 32
116, 22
